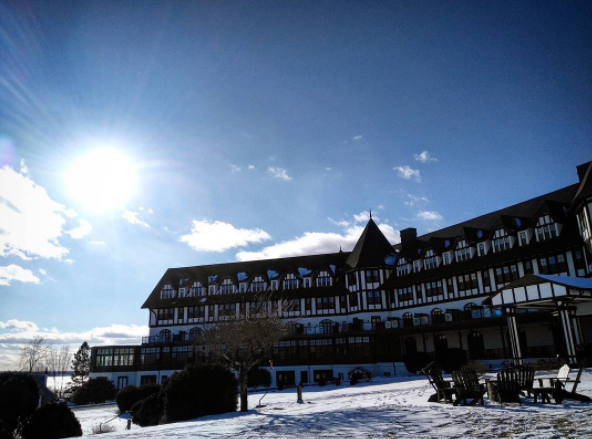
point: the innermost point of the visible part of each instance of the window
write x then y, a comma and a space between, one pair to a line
583, 225
430, 260
405, 294
438, 316
463, 251
343, 303
227, 287
197, 289
164, 316
545, 228
434, 288
486, 279
196, 313
553, 264
446, 258
104, 358
402, 267
167, 292
501, 241
416, 266
195, 333
308, 305
226, 311
352, 279
522, 238
323, 279
353, 299
291, 305
325, 303
467, 282
258, 284
373, 298
180, 315
481, 249
372, 276
165, 336
506, 273
307, 282
290, 282
528, 267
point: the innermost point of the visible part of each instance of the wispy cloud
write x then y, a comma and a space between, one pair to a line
83, 229
251, 167
98, 243
424, 157
30, 221
134, 218
430, 216
280, 173
414, 200
358, 137
219, 236
310, 243
16, 273
407, 173
235, 168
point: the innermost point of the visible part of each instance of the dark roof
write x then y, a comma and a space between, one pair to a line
371, 248
585, 186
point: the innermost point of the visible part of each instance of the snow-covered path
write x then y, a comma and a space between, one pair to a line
385, 408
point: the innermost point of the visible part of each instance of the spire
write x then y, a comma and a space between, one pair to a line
370, 213
371, 248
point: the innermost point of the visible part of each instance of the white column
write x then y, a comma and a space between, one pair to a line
514, 338
568, 332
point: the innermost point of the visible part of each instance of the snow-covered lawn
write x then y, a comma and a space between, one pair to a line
389, 407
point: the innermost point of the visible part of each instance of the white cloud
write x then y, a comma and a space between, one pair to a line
251, 167
407, 173
430, 216
380, 207
328, 169
424, 157
81, 231
235, 168
43, 272
133, 218
414, 200
279, 173
20, 332
363, 217
340, 223
98, 242
16, 273
30, 221
311, 243
71, 213
147, 210
219, 236
357, 137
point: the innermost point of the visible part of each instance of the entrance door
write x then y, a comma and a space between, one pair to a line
121, 382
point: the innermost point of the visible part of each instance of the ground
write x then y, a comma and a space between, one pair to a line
385, 408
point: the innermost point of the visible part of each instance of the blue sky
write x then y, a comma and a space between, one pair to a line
263, 129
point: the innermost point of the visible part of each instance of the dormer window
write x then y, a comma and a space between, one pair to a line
522, 238
372, 276
323, 279
306, 282
227, 287
402, 267
416, 266
167, 292
501, 241
446, 258
290, 282
545, 228
463, 251
258, 284
481, 249
197, 289
430, 260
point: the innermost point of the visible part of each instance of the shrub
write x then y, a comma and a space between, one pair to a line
19, 396
416, 361
148, 411
129, 395
94, 391
322, 383
52, 421
452, 359
353, 381
199, 391
338, 381
258, 377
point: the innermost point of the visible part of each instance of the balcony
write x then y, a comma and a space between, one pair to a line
181, 337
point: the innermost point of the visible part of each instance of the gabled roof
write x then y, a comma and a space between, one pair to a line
371, 248
585, 186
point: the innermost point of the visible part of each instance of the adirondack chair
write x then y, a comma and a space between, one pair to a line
525, 379
466, 384
562, 377
558, 387
508, 386
444, 390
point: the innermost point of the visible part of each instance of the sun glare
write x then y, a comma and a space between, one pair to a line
102, 179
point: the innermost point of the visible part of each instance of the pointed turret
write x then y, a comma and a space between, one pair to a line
371, 248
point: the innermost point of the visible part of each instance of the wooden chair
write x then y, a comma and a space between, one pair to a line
562, 377
525, 379
558, 387
508, 386
443, 388
467, 386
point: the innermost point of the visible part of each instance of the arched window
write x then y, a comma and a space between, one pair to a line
165, 336
195, 333
470, 306
327, 326
407, 319
437, 315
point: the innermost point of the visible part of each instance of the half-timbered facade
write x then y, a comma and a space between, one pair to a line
372, 306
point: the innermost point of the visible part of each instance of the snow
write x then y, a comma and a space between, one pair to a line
387, 407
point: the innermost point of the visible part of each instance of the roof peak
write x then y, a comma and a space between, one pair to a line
371, 248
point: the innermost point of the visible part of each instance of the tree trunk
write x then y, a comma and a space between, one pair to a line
242, 380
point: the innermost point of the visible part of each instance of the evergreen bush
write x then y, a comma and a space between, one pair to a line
129, 395
52, 421
148, 411
94, 391
19, 396
199, 391
416, 361
258, 377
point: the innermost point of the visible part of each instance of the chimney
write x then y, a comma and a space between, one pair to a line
582, 170
408, 236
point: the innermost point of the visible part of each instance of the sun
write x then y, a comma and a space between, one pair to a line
102, 179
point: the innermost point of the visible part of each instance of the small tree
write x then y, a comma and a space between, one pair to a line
58, 361
243, 344
33, 355
81, 364
95, 391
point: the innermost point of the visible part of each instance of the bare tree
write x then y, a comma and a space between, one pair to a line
58, 361
243, 344
33, 355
